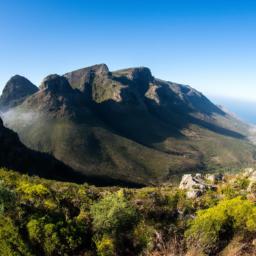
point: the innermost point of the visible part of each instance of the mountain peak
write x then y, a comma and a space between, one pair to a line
56, 84
81, 78
16, 90
97, 68
17, 80
139, 74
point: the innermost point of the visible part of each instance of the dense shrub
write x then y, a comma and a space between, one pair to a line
11, 242
113, 219
105, 246
113, 214
56, 238
7, 198
241, 183
213, 227
143, 236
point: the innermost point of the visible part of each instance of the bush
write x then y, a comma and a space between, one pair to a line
105, 246
56, 237
143, 237
7, 198
113, 214
242, 183
213, 227
33, 190
253, 188
11, 243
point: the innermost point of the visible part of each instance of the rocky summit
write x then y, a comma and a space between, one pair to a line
125, 125
15, 91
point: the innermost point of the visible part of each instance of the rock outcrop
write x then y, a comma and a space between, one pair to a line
250, 174
195, 185
83, 78
56, 84
214, 178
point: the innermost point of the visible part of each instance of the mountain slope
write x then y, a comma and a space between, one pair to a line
14, 155
129, 125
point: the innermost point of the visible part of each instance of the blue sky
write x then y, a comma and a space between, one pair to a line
209, 44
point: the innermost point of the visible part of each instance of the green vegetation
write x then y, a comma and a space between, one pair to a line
214, 226
46, 217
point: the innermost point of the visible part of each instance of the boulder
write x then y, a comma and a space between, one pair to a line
214, 178
195, 185
250, 174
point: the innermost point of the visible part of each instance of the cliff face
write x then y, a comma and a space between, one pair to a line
128, 125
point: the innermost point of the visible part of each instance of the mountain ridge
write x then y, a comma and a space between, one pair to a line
129, 125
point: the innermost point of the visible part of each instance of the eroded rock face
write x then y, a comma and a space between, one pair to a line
195, 185
141, 74
56, 84
56, 98
17, 89
82, 78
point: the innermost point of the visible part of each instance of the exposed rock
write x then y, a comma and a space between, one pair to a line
82, 78
214, 178
194, 185
250, 174
140, 74
152, 93
95, 83
17, 89
56, 84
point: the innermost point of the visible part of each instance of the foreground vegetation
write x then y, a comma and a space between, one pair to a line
44, 217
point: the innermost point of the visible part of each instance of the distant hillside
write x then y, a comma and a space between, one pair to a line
128, 125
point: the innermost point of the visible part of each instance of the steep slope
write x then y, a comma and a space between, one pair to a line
129, 125
14, 155
16, 91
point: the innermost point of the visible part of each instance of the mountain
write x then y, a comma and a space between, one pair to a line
16, 91
129, 125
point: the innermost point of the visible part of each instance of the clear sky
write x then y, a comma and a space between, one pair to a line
209, 44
